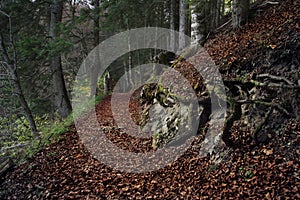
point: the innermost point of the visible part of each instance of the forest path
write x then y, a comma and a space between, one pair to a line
66, 170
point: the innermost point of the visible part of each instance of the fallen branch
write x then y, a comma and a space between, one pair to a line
268, 3
229, 21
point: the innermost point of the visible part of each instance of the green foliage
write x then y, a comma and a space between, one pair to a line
247, 171
129, 14
15, 130
88, 105
30, 48
50, 154
81, 89
59, 45
249, 174
55, 128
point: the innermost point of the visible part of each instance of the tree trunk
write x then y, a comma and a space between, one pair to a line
222, 10
106, 83
12, 65
61, 98
131, 84
94, 69
240, 11
212, 14
245, 5
96, 24
125, 85
218, 13
172, 24
200, 25
182, 24
196, 35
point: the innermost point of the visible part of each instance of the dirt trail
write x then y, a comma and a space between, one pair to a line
66, 170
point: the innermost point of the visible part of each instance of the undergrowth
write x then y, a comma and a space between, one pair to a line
17, 141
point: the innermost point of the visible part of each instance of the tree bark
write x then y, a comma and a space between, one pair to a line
201, 21
196, 35
61, 98
125, 85
96, 23
182, 24
94, 70
240, 11
131, 84
12, 65
172, 24
106, 83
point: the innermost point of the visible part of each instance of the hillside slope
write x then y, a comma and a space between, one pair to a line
269, 44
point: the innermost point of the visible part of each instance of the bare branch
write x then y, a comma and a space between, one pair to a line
14, 146
268, 3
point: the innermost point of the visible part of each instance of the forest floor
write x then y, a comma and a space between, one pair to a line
269, 43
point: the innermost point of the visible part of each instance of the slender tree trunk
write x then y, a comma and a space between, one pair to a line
94, 70
245, 5
219, 12
125, 85
172, 24
61, 98
211, 15
140, 70
235, 14
222, 10
200, 24
12, 65
240, 11
131, 84
182, 24
205, 17
106, 82
195, 25
216, 10
96, 24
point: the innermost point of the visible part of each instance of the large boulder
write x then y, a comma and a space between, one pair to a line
163, 115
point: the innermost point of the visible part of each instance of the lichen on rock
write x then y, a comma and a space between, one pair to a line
163, 115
